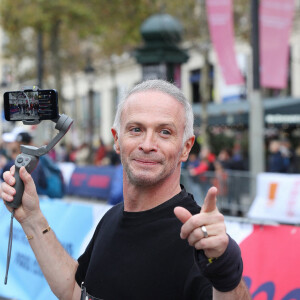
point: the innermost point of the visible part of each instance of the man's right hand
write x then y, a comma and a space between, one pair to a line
58, 266
30, 200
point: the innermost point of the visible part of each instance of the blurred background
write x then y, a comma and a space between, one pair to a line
237, 62
91, 51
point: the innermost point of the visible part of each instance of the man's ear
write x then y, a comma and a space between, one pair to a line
116, 139
187, 148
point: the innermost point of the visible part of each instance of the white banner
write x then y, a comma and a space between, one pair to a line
277, 199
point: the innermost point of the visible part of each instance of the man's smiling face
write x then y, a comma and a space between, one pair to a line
150, 139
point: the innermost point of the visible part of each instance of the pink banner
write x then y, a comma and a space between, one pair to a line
271, 262
220, 22
275, 22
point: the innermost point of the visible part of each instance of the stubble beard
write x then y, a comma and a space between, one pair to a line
147, 178
144, 178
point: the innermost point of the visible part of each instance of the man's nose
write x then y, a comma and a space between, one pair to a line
149, 142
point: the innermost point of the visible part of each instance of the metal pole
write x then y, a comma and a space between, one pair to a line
89, 70
205, 99
43, 130
40, 59
255, 43
256, 113
91, 126
204, 78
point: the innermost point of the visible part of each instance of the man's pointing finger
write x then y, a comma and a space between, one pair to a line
210, 201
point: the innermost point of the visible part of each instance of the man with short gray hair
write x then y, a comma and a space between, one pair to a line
158, 244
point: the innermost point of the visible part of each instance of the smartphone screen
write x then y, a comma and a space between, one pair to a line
31, 105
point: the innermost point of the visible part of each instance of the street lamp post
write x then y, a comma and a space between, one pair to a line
90, 72
256, 113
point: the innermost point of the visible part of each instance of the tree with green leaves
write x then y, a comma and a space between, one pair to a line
59, 32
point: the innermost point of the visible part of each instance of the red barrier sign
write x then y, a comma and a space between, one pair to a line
272, 262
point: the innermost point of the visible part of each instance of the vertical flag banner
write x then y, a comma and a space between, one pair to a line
275, 22
220, 22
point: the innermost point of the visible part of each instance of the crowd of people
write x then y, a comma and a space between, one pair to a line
280, 158
228, 170
205, 166
283, 158
207, 160
102, 155
48, 176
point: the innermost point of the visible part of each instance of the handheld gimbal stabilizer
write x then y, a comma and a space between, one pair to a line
29, 158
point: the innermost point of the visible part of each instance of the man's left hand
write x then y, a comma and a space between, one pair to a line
215, 244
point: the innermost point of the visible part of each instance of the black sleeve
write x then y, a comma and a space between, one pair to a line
84, 259
197, 286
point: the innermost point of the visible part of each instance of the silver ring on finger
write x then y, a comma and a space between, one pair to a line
203, 228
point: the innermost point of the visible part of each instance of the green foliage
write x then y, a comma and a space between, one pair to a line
221, 141
70, 26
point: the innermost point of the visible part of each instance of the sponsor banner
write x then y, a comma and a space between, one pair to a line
275, 24
220, 22
277, 198
271, 260
73, 224
91, 181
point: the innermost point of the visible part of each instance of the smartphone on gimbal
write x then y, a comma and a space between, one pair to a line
31, 105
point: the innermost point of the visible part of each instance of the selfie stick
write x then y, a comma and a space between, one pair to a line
29, 158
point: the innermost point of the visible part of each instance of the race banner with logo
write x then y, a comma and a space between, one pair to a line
275, 23
271, 259
277, 198
220, 22
91, 181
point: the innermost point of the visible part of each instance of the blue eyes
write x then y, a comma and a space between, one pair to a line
136, 129
163, 131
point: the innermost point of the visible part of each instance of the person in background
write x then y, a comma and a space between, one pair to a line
225, 158
100, 153
193, 161
82, 154
276, 161
61, 154
13, 141
3, 157
297, 160
207, 159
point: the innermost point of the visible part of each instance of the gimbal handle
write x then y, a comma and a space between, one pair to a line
29, 157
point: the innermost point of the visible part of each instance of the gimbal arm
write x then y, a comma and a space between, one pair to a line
29, 157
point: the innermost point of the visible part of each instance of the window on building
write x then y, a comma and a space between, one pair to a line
97, 113
195, 78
